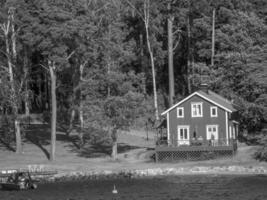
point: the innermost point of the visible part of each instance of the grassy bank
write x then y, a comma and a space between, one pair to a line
135, 153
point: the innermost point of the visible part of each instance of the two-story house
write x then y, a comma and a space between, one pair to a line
201, 121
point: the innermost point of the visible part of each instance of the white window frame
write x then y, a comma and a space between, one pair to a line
201, 109
230, 133
216, 111
183, 141
217, 131
178, 109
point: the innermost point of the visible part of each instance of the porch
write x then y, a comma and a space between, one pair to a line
194, 150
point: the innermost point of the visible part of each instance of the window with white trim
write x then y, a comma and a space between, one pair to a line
213, 111
196, 109
183, 135
180, 112
212, 132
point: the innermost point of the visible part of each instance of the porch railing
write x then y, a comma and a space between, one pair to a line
196, 142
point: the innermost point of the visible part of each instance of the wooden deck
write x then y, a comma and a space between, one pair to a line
195, 148
189, 152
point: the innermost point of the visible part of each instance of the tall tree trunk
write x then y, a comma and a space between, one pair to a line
189, 56
13, 35
108, 59
11, 60
51, 65
170, 57
26, 102
81, 124
14, 95
213, 38
26, 73
146, 20
108, 93
114, 137
39, 88
81, 118
114, 150
18, 136
142, 62
46, 92
72, 116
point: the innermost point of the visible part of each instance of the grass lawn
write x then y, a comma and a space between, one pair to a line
135, 152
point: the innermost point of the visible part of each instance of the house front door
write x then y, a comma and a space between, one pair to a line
212, 134
183, 135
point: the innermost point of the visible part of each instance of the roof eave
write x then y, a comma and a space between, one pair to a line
196, 93
177, 104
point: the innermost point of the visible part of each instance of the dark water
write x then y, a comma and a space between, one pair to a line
186, 187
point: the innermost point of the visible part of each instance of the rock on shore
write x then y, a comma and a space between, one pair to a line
137, 173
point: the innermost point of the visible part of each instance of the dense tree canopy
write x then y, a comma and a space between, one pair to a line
99, 53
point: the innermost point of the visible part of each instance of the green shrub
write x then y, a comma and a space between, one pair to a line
261, 153
208, 155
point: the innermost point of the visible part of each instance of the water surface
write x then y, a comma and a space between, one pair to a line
185, 187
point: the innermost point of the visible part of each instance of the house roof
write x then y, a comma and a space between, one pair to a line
211, 97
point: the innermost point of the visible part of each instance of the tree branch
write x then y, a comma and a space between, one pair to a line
177, 31
177, 42
4, 68
81, 72
4, 53
69, 56
137, 11
46, 68
22, 82
103, 7
100, 21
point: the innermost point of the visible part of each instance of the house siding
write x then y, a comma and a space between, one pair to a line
197, 124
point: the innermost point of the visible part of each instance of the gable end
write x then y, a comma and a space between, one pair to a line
200, 95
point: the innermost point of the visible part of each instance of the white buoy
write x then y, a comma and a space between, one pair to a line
114, 191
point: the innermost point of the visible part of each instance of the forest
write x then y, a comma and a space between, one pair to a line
115, 64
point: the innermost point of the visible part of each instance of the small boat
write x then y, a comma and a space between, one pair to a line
19, 181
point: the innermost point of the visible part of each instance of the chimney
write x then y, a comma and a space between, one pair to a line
204, 87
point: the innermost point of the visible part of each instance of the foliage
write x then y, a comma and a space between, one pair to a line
117, 110
102, 61
261, 153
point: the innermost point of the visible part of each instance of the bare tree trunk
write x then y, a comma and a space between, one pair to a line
72, 116
114, 136
26, 73
81, 123
146, 20
18, 136
170, 56
189, 57
108, 59
13, 35
39, 97
142, 62
81, 136
26, 103
108, 75
51, 65
14, 96
213, 38
46, 92
114, 150
12, 54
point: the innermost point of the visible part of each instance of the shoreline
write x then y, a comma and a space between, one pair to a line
149, 172
42, 176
